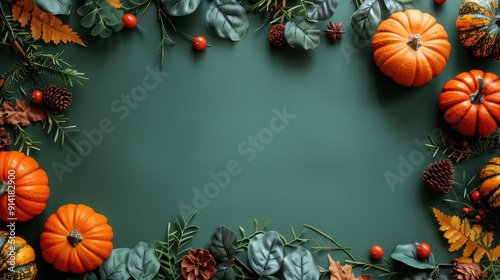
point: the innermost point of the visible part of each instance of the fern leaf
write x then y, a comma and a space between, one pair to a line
43, 26
455, 230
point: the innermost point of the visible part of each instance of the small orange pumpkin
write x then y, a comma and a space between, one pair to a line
19, 266
411, 47
471, 103
490, 183
28, 186
76, 239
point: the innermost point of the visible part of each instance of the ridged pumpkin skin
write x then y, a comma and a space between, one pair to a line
397, 58
490, 183
478, 29
462, 112
31, 186
25, 266
88, 254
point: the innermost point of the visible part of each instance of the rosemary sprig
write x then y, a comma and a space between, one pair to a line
332, 240
37, 63
170, 252
243, 242
24, 140
62, 131
478, 145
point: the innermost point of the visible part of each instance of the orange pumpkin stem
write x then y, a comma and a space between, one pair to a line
414, 42
74, 238
478, 96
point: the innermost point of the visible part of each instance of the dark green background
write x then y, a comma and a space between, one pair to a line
326, 168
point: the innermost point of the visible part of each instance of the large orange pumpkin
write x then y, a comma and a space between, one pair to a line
490, 183
411, 47
76, 239
17, 258
24, 187
471, 103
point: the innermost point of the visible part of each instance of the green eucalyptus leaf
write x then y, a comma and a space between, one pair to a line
266, 252
407, 254
224, 271
302, 34
223, 244
320, 9
299, 265
55, 7
180, 7
227, 19
366, 19
398, 5
115, 266
142, 263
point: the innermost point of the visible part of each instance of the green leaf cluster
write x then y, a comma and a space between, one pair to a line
102, 17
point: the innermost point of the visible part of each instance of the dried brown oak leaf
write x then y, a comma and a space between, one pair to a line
22, 113
338, 272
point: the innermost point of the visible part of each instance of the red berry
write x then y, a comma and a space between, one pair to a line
471, 210
129, 20
377, 252
477, 218
440, 1
465, 210
37, 96
481, 212
476, 196
199, 43
423, 250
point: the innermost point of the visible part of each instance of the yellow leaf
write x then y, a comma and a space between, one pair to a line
43, 26
469, 249
495, 253
116, 3
459, 233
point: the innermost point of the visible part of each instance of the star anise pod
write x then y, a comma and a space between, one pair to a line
334, 31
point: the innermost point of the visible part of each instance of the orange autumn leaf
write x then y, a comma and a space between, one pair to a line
338, 272
459, 233
116, 3
45, 26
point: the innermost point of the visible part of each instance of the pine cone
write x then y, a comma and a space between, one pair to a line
439, 176
198, 265
4, 138
467, 271
56, 98
277, 35
462, 153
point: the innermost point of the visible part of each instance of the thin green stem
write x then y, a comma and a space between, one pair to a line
331, 239
369, 265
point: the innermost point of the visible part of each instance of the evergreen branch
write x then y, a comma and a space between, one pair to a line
24, 140
170, 252
477, 144
37, 63
63, 131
